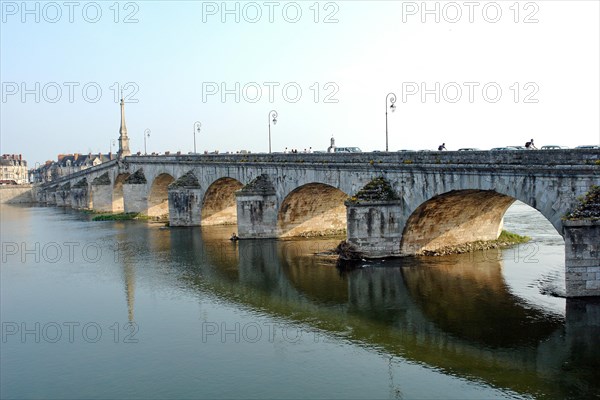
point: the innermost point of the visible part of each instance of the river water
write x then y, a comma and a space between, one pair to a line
136, 310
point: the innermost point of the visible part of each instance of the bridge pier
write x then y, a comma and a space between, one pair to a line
185, 201
135, 193
63, 195
51, 198
41, 196
135, 198
582, 257
374, 227
102, 194
79, 196
257, 209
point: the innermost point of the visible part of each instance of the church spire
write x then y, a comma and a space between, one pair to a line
123, 139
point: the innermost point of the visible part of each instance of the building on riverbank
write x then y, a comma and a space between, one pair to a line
13, 170
67, 164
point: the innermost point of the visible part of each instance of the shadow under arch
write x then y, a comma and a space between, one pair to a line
158, 198
313, 209
118, 204
467, 297
454, 218
219, 204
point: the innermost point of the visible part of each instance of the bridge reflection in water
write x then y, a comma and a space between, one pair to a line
456, 314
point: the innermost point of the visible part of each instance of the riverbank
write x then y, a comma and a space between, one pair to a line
506, 239
347, 252
121, 217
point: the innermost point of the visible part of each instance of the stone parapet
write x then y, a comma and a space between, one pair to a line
404, 159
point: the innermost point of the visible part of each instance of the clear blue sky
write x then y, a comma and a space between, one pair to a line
174, 53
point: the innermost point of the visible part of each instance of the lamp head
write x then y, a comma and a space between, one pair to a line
274, 121
393, 107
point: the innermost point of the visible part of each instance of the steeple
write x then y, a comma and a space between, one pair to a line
123, 139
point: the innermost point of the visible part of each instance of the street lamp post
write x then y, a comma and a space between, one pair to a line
197, 126
391, 99
272, 114
146, 134
37, 173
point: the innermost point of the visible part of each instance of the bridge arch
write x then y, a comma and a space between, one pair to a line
457, 217
158, 197
312, 209
219, 203
454, 218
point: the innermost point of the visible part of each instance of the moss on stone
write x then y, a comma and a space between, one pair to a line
589, 206
137, 177
101, 180
379, 189
187, 180
81, 184
261, 184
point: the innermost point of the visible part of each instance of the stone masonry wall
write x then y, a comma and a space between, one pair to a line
373, 227
582, 258
16, 194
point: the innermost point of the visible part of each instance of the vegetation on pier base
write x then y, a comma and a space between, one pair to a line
379, 189
120, 217
589, 206
347, 252
506, 239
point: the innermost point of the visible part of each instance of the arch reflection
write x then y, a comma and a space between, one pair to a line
457, 315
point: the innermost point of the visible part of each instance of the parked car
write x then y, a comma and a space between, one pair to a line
468, 149
508, 148
591, 146
553, 147
348, 150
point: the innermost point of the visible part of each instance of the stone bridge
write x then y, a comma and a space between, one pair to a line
388, 204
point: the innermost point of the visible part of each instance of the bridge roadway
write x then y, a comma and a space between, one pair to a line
434, 199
